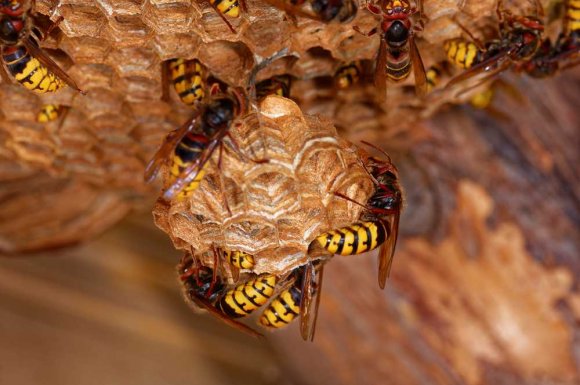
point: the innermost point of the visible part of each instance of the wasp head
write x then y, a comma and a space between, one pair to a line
388, 197
198, 279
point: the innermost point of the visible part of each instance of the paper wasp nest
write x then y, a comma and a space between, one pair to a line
114, 51
278, 206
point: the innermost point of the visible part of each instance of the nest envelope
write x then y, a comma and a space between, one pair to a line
279, 206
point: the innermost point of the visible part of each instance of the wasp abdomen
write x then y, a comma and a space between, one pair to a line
347, 75
462, 53
355, 239
48, 113
245, 298
187, 79
398, 71
239, 259
283, 309
29, 72
227, 7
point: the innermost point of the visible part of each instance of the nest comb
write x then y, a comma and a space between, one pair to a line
278, 207
114, 50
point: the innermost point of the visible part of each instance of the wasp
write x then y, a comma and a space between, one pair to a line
190, 147
550, 58
204, 288
326, 11
520, 37
187, 78
299, 297
379, 225
347, 75
398, 52
239, 259
50, 112
276, 85
21, 55
229, 8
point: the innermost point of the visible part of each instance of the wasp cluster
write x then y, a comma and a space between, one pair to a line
246, 171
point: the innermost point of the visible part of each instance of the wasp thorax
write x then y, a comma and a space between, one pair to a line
219, 113
11, 31
397, 34
528, 44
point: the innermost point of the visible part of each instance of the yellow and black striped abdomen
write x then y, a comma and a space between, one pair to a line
187, 79
283, 309
29, 72
572, 18
239, 259
49, 113
227, 7
347, 75
398, 71
355, 239
245, 298
462, 53
433, 76
186, 152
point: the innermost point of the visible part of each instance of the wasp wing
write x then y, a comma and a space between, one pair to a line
492, 66
202, 303
381, 72
310, 301
387, 250
35, 51
190, 173
168, 147
418, 69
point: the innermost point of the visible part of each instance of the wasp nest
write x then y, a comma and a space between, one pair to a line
274, 208
114, 51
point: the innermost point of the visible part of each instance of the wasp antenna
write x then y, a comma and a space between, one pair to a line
340, 195
377, 148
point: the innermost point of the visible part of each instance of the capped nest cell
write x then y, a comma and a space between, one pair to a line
271, 209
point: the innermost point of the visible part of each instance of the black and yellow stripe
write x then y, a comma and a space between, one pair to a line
572, 18
245, 298
399, 71
433, 76
462, 53
49, 113
29, 72
239, 259
283, 309
230, 8
354, 239
347, 75
187, 79
187, 151
277, 85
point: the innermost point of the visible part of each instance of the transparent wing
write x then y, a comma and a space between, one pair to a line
418, 69
165, 151
310, 301
387, 250
206, 305
43, 58
380, 72
192, 171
